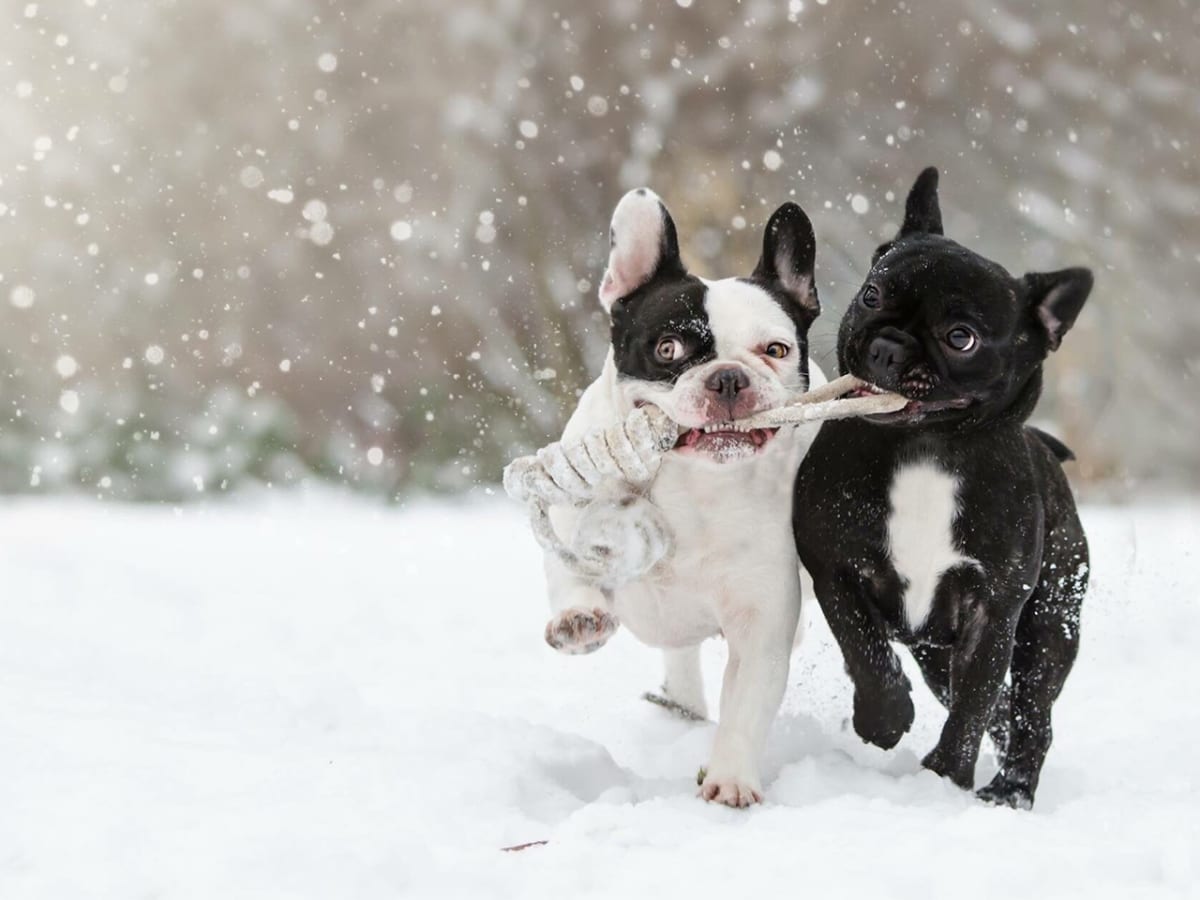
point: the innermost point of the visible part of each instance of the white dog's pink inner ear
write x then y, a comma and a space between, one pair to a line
628, 269
637, 235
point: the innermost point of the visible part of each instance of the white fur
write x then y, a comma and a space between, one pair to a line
743, 320
734, 569
637, 225
924, 501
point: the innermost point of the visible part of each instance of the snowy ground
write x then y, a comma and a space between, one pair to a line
332, 700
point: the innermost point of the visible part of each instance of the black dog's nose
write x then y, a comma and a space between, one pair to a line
726, 383
887, 356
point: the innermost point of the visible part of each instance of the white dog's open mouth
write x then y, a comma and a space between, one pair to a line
725, 441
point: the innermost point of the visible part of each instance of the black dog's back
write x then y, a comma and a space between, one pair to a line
1061, 451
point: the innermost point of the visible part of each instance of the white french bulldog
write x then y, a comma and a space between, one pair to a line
709, 549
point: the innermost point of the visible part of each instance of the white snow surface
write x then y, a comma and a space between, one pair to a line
329, 699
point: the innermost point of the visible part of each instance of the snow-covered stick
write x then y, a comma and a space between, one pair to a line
571, 472
827, 402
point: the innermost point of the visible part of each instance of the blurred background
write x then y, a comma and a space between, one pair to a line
285, 241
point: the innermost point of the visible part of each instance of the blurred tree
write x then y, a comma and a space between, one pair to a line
266, 241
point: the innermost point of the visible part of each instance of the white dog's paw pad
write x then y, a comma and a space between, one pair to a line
578, 631
730, 790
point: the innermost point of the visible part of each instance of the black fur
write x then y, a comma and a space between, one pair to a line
785, 271
666, 306
1019, 614
1061, 451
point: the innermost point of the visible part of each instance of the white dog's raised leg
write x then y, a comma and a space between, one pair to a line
582, 618
683, 686
620, 538
755, 678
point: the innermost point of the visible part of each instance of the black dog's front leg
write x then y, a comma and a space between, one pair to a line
981, 657
883, 708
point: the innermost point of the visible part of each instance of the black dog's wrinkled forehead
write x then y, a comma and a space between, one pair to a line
943, 277
671, 306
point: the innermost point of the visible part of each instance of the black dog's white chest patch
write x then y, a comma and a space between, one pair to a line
920, 530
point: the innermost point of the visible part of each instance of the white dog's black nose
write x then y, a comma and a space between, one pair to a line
728, 383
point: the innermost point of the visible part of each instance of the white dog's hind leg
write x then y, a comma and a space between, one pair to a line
683, 686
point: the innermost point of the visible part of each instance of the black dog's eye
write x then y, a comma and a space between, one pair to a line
870, 297
961, 339
777, 350
669, 349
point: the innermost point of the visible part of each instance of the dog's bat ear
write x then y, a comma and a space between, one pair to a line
1056, 299
644, 244
922, 214
788, 256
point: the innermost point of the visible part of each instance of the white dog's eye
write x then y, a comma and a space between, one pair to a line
961, 339
777, 350
669, 349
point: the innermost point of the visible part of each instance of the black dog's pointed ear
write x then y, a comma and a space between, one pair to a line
788, 256
644, 243
1056, 299
922, 214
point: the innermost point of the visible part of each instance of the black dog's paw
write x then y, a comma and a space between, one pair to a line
884, 718
1005, 792
945, 764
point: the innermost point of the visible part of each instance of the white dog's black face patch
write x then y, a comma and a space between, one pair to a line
709, 352
663, 309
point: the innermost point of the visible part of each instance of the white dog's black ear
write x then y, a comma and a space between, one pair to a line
644, 244
1056, 299
922, 213
788, 256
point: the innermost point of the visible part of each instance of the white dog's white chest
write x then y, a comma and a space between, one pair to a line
733, 548
924, 507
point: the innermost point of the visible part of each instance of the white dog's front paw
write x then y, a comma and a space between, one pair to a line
579, 631
731, 789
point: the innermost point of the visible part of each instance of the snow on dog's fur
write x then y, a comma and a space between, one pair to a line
709, 549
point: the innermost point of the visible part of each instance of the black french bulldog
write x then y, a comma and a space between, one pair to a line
949, 525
